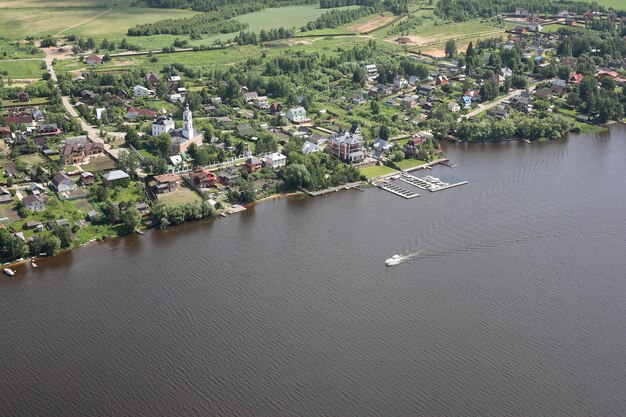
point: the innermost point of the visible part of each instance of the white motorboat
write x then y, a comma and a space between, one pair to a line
394, 260
9, 272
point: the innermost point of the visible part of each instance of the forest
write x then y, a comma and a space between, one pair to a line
462, 10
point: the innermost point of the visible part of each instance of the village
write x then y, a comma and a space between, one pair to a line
93, 152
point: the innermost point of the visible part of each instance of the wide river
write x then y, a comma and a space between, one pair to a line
512, 302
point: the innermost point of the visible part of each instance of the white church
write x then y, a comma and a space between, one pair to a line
181, 138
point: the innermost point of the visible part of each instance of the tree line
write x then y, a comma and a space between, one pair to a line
461, 10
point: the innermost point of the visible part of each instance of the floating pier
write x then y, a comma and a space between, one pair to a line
434, 189
429, 183
394, 189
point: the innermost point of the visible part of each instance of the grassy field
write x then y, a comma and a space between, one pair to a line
409, 163
21, 69
203, 60
96, 22
182, 196
374, 171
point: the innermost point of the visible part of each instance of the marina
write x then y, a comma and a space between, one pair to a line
428, 182
394, 189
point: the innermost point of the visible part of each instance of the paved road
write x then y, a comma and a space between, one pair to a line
92, 132
483, 107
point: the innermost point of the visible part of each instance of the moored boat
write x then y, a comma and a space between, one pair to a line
9, 272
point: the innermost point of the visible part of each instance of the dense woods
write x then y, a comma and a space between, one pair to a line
461, 10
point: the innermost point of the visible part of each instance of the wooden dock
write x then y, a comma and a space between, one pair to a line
435, 189
399, 191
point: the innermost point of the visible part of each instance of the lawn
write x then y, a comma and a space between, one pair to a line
286, 17
21, 69
374, 171
32, 159
34, 101
182, 196
409, 163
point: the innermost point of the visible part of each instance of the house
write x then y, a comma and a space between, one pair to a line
411, 148
371, 71
535, 27
32, 224
48, 129
275, 108
252, 164
317, 139
162, 125
380, 145
202, 178
413, 80
399, 82
454, 107
466, 101
34, 203
250, 97
152, 78
542, 93
175, 78
228, 175
244, 130
76, 150
559, 87
19, 119
473, 94
93, 60
409, 102
441, 80
87, 178
499, 112
143, 208
5, 196
135, 112
520, 30
141, 91
348, 147
166, 183
23, 97
87, 95
520, 11
115, 177
570, 21
310, 147
275, 160
62, 183
261, 102
101, 113
426, 90
296, 115
5, 132
604, 73
575, 78
521, 102
506, 72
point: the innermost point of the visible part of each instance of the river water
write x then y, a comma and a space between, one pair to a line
511, 302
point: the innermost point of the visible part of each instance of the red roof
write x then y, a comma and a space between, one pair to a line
603, 73
21, 119
576, 78
141, 112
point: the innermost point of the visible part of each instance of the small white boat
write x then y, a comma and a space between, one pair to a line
526, 140
9, 272
33, 263
394, 260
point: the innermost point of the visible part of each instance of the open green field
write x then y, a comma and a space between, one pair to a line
21, 69
286, 17
374, 171
409, 163
96, 22
182, 196
203, 60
